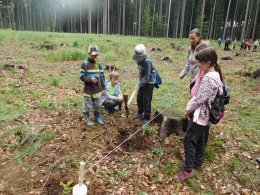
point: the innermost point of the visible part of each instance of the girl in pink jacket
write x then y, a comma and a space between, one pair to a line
197, 111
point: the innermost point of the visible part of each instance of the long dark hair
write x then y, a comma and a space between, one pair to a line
209, 55
196, 31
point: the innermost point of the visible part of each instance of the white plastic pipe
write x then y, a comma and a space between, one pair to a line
80, 188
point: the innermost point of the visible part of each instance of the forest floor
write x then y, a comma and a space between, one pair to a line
43, 135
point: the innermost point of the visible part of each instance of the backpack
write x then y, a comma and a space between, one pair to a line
155, 74
217, 108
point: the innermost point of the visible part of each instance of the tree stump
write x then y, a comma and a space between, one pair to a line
156, 49
256, 74
165, 58
170, 124
111, 68
47, 46
9, 66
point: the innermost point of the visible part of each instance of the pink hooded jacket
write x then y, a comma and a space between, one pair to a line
209, 87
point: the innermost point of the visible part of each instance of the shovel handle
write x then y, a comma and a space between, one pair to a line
131, 98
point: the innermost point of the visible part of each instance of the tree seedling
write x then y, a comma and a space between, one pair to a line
80, 188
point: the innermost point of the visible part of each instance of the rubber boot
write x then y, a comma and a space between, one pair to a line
98, 119
88, 121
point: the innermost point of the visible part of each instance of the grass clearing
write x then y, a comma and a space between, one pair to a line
47, 96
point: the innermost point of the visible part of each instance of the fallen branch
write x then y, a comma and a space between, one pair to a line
98, 135
137, 178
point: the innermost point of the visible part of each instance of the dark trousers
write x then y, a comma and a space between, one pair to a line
110, 104
144, 100
226, 47
195, 142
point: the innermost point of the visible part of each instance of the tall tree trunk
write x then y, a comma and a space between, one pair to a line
80, 16
89, 20
139, 20
225, 25
22, 19
165, 21
153, 18
202, 16
169, 16
182, 17
249, 23
212, 20
1, 20
9, 17
119, 17
177, 25
30, 15
19, 16
105, 17
245, 22
54, 22
27, 16
160, 13
234, 20
71, 22
59, 22
192, 11
108, 18
98, 20
41, 20
123, 17
256, 16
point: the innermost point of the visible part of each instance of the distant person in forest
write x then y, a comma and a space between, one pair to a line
242, 45
256, 45
197, 111
147, 78
112, 98
227, 44
91, 73
219, 42
191, 66
249, 44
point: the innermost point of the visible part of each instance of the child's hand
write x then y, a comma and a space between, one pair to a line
94, 80
120, 98
187, 114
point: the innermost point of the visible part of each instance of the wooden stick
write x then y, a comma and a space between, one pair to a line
91, 139
137, 178
131, 98
81, 172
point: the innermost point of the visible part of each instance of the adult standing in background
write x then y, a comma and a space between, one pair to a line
191, 66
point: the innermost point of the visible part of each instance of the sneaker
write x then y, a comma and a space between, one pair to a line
116, 108
183, 175
198, 167
138, 116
